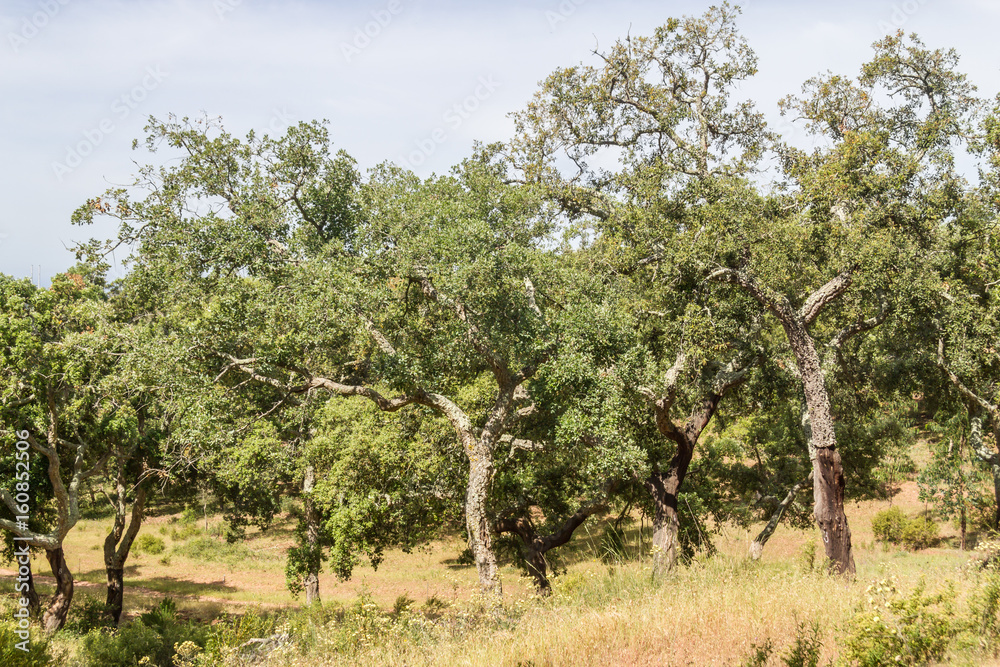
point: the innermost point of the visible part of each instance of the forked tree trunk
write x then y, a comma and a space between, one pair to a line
535, 546
665, 486
757, 546
118, 544
55, 615
532, 551
828, 472
311, 580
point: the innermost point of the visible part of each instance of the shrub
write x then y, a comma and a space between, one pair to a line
984, 603
149, 544
919, 533
39, 650
807, 557
804, 651
90, 614
155, 635
894, 527
189, 515
759, 654
892, 629
210, 550
888, 525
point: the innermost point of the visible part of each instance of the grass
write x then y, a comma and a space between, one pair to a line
710, 612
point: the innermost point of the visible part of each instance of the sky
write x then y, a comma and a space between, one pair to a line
411, 81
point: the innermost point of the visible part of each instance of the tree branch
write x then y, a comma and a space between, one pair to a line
955, 380
822, 297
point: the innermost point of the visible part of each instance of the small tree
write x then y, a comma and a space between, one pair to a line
953, 481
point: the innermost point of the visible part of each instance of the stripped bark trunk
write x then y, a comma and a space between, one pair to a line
477, 520
828, 471
665, 486
311, 581
54, 617
757, 546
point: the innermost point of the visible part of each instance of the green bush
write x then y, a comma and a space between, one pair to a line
87, 615
920, 533
38, 654
888, 525
984, 604
149, 544
894, 527
207, 549
189, 514
154, 635
186, 531
228, 636
893, 629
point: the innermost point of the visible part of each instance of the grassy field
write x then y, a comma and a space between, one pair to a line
711, 612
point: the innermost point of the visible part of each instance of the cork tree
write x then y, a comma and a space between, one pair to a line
291, 275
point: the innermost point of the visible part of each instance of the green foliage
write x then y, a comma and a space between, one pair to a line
804, 651
759, 654
919, 533
893, 628
984, 609
88, 614
807, 557
955, 482
887, 525
229, 634
149, 544
894, 527
154, 635
39, 653
189, 515
187, 530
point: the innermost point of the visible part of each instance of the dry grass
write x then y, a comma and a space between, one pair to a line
709, 613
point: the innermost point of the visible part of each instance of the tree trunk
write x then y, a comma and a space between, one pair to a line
990, 457
117, 546
311, 581
664, 487
28, 579
532, 550
116, 592
828, 472
477, 520
55, 616
535, 546
962, 526
757, 546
